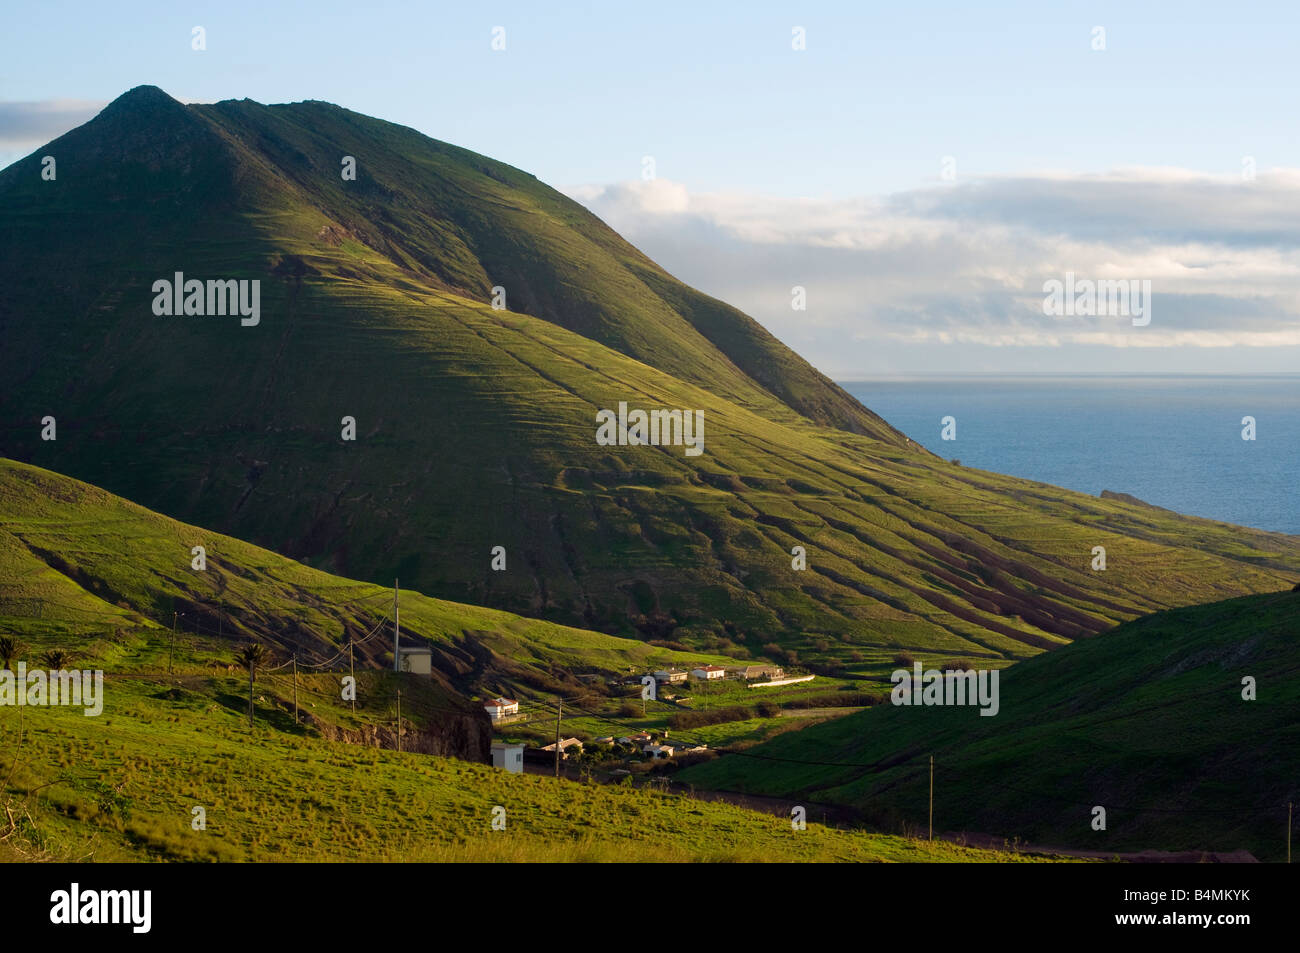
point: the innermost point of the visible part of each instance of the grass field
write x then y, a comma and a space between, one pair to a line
123, 786
1148, 721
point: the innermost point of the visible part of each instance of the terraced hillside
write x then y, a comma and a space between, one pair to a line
1147, 721
475, 427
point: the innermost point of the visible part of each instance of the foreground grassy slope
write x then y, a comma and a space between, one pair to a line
78, 564
1147, 721
476, 427
123, 786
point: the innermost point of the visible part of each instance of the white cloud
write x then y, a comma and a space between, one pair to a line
964, 264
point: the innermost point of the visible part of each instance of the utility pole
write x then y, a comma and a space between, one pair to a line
250, 693
931, 797
399, 719
1289, 805
295, 688
558, 713
397, 653
172, 648
352, 670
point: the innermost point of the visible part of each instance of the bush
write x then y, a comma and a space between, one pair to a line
629, 710
957, 665
904, 658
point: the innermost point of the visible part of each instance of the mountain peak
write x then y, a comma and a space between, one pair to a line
144, 98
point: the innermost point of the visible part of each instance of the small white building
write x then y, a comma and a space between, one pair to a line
499, 708
670, 676
508, 756
416, 659
709, 672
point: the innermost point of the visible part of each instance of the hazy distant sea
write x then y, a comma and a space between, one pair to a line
1172, 441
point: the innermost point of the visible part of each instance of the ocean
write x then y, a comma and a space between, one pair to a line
1172, 441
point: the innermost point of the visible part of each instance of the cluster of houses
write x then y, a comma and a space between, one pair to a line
709, 673
656, 749
511, 756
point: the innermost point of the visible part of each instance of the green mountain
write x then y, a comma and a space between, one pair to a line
1147, 721
476, 427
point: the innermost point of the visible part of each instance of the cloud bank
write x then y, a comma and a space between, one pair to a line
948, 275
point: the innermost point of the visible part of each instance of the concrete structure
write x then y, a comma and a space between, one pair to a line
776, 682
508, 756
416, 659
670, 676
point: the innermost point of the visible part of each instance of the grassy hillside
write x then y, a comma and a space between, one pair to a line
123, 786
83, 570
476, 427
1147, 721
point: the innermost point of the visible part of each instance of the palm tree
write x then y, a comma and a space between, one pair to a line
251, 656
10, 648
56, 659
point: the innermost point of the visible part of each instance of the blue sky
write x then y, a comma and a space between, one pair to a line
854, 129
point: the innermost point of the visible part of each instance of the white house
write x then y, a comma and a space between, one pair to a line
499, 708
508, 756
565, 746
670, 676
657, 751
709, 672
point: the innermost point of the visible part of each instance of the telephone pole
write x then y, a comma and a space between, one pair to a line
931, 797
399, 719
172, 648
250, 693
352, 670
558, 713
295, 688
397, 653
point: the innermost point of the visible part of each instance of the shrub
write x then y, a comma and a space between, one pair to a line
904, 658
